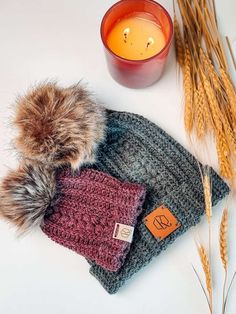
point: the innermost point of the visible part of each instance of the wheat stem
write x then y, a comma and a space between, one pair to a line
224, 290
231, 51
229, 288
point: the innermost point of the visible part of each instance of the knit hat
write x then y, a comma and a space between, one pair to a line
138, 151
91, 207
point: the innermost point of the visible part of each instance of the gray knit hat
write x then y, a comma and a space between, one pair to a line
137, 150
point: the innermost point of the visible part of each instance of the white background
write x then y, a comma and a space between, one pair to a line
60, 39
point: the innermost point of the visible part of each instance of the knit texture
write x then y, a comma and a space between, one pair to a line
88, 206
139, 151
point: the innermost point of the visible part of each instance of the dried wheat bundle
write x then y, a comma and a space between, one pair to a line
210, 96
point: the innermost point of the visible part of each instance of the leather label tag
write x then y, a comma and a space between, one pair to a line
123, 232
161, 222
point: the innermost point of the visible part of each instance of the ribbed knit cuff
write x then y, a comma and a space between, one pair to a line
100, 187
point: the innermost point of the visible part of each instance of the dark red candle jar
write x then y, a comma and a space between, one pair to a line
136, 73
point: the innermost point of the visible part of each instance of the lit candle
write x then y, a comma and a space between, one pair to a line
136, 35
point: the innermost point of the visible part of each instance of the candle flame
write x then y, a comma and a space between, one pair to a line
126, 33
150, 42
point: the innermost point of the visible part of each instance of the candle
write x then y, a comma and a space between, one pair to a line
136, 35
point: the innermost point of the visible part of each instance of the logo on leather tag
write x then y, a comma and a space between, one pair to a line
161, 222
123, 232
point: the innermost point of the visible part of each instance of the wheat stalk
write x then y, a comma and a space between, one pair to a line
229, 135
213, 104
224, 249
179, 45
210, 69
199, 111
205, 107
202, 286
207, 271
188, 88
229, 88
225, 139
230, 91
207, 196
208, 205
222, 152
223, 239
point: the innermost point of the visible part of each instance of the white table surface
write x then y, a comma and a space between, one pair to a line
60, 39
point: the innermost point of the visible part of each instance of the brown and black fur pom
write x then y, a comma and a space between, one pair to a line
59, 125
26, 194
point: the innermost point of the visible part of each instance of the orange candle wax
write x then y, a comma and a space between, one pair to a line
136, 37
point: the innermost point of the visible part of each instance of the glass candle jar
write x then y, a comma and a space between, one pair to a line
136, 35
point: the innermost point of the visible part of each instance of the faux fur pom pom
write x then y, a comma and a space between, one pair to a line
26, 194
59, 125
